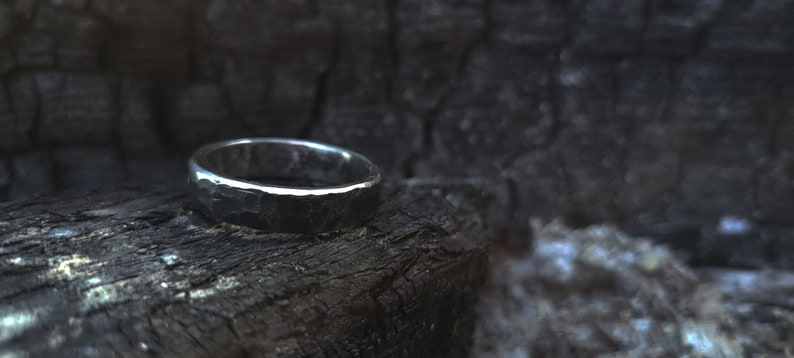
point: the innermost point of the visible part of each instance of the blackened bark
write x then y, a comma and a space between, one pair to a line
136, 271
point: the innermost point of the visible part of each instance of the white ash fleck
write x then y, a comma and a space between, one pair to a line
170, 259
61, 233
706, 340
101, 212
202, 293
557, 259
104, 232
180, 285
99, 295
222, 284
111, 293
225, 283
732, 225
63, 266
93, 281
642, 324
15, 323
27, 234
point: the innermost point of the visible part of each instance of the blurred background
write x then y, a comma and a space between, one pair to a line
671, 118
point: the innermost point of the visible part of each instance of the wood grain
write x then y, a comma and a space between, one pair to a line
136, 271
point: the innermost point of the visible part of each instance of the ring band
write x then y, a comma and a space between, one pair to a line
284, 185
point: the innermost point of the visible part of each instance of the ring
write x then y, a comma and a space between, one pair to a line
284, 185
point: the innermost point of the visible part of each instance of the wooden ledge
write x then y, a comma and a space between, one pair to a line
136, 271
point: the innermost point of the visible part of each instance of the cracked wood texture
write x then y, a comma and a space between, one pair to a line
664, 116
136, 271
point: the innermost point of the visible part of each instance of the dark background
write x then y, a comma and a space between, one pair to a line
665, 117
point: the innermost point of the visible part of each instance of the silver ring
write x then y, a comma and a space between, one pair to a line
284, 185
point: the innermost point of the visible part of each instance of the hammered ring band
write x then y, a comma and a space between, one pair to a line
284, 185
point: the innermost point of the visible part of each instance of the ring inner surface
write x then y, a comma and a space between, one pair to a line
288, 164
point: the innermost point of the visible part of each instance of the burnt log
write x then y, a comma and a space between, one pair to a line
137, 271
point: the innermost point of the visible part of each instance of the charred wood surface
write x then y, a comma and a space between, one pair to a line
136, 271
